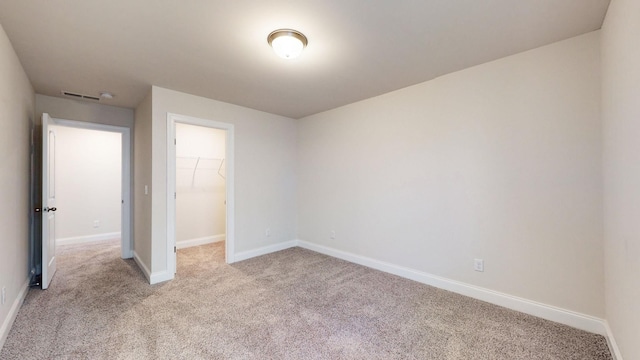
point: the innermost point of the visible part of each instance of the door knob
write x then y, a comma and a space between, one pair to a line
52, 209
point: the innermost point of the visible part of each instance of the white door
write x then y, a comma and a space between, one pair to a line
48, 201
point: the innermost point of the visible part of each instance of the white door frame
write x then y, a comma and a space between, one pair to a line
172, 119
126, 243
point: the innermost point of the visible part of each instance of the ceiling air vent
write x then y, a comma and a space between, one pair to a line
80, 96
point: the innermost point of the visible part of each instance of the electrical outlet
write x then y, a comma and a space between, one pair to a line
267, 232
333, 234
478, 265
4, 295
96, 223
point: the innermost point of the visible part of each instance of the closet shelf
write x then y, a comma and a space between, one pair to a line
196, 162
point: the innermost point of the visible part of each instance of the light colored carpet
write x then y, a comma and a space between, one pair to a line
293, 304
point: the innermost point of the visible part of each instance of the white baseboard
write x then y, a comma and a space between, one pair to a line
142, 266
563, 316
158, 277
611, 341
87, 238
13, 313
152, 278
244, 255
181, 244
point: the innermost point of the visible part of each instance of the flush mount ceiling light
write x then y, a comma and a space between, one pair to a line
287, 43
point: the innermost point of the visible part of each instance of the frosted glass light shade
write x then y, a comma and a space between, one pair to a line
287, 43
287, 47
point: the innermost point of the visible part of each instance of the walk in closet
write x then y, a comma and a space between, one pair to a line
200, 185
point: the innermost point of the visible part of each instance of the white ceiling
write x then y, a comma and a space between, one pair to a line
218, 48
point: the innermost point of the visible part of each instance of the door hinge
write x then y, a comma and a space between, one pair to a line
175, 249
175, 142
174, 195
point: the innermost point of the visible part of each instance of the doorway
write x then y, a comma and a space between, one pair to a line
200, 185
88, 184
93, 180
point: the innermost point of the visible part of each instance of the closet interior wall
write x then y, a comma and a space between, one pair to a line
88, 184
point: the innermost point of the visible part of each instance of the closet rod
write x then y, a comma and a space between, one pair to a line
195, 168
220, 170
193, 177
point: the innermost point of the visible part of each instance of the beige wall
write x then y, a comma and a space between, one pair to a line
17, 105
142, 177
265, 148
501, 162
88, 183
621, 137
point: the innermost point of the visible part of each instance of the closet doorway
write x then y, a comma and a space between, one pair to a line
199, 187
